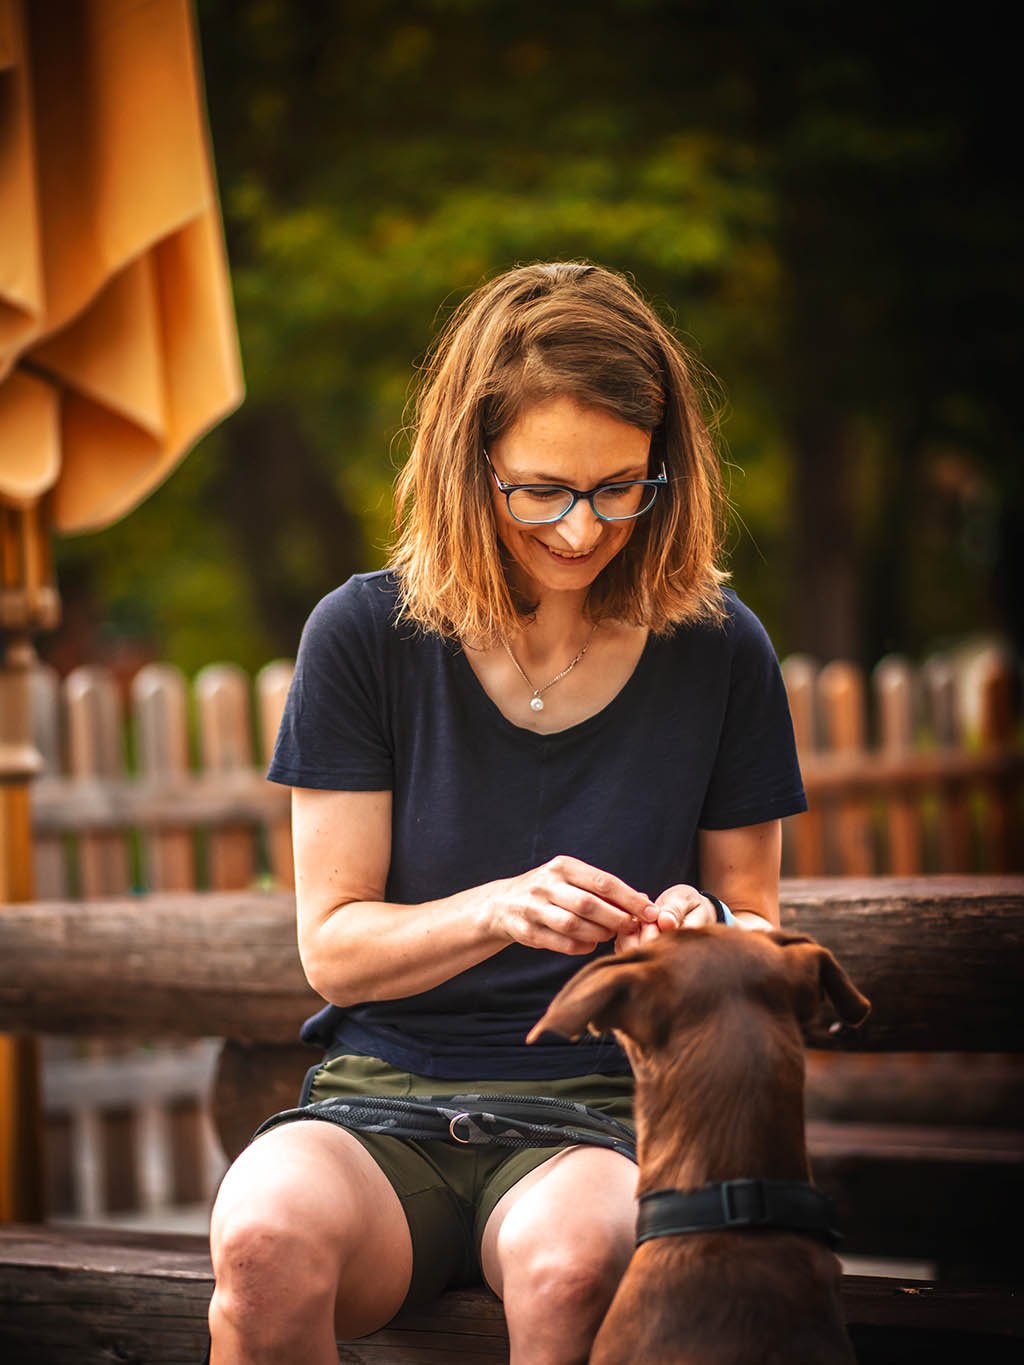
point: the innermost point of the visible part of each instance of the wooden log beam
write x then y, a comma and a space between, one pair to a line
221, 964
91, 1296
940, 958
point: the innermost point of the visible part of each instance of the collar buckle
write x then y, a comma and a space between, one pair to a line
744, 1203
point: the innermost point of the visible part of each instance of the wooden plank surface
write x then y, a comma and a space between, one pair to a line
89, 1295
940, 957
85, 1295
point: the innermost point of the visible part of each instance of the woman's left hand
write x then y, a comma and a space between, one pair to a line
678, 907
683, 907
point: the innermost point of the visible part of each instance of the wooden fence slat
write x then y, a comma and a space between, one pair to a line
1000, 827
161, 743
953, 834
95, 757
272, 683
894, 690
805, 833
225, 749
841, 688
49, 858
94, 754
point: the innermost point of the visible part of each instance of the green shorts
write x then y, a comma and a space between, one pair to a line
449, 1192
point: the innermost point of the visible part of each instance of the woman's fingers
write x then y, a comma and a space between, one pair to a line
604, 887
683, 906
570, 906
637, 936
700, 917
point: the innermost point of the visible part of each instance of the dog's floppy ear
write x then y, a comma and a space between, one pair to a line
614, 992
816, 973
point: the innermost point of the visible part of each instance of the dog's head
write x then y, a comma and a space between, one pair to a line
678, 982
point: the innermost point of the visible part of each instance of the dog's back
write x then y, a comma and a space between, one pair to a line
762, 1298
711, 1020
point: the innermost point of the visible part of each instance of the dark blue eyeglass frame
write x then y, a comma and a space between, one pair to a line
576, 494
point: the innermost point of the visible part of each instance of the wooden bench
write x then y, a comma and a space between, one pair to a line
940, 957
90, 1295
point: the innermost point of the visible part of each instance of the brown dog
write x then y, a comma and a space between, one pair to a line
711, 1021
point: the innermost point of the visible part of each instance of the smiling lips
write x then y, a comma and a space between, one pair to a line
570, 556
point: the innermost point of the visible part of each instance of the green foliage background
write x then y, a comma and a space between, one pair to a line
815, 193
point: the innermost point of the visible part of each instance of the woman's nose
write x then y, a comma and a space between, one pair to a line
580, 528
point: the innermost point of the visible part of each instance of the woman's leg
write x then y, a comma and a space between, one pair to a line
555, 1248
309, 1240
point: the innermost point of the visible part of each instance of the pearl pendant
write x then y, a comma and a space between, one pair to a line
536, 704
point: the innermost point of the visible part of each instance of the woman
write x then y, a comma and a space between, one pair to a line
546, 731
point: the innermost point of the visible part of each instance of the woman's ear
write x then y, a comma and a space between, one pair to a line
613, 993
815, 974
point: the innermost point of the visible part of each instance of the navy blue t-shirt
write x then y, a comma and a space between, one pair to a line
699, 737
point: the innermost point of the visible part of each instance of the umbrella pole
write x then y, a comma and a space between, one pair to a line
28, 602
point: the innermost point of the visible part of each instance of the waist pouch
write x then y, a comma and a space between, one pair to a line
512, 1121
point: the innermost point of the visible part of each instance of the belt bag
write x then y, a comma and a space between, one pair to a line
512, 1121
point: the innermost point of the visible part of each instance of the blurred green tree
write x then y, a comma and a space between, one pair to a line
815, 193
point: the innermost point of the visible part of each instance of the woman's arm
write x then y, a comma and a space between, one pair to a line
741, 867
356, 946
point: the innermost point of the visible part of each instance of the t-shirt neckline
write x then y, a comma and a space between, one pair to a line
486, 705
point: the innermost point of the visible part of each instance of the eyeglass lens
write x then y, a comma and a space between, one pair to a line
616, 501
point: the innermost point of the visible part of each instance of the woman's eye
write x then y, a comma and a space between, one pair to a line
547, 494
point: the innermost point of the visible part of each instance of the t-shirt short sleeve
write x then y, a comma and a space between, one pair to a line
334, 733
756, 773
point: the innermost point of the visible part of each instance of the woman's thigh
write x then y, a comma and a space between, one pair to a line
307, 1199
581, 1203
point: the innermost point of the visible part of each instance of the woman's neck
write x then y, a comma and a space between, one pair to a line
558, 626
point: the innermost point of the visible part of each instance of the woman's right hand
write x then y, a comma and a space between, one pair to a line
567, 906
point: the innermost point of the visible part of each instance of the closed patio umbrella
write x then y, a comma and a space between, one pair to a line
118, 347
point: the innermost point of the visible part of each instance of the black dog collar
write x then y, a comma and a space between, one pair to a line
737, 1205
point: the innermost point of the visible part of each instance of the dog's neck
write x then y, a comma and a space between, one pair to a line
722, 1103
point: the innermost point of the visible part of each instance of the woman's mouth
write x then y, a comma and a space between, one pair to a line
568, 556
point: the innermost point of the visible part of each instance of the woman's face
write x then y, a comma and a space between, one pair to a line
560, 442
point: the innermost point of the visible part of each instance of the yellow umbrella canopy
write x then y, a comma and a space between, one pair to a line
118, 351
118, 347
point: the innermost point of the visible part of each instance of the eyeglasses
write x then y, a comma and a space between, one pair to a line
539, 503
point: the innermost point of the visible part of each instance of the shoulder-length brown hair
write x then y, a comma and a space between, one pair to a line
534, 333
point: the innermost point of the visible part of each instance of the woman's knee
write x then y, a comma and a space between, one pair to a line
269, 1256
293, 1226
574, 1281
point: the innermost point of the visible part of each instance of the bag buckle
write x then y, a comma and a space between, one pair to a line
458, 1118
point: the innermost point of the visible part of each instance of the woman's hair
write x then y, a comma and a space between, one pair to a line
535, 333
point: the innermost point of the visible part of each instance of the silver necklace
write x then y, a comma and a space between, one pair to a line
536, 701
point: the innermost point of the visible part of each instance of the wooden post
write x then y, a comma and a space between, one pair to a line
842, 696
271, 690
94, 753
225, 750
161, 736
953, 834
28, 603
806, 832
893, 680
1001, 822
